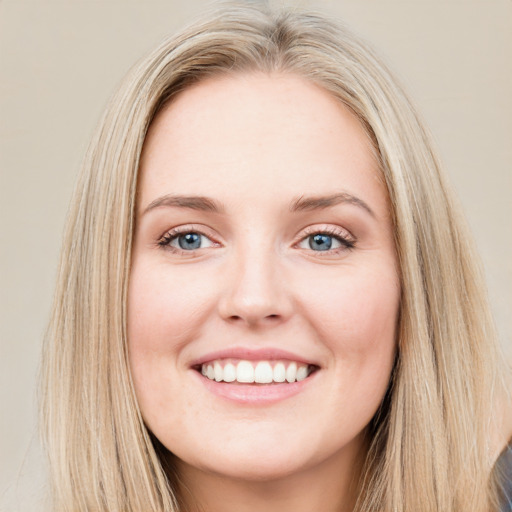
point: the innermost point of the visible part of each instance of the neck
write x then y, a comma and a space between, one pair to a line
330, 486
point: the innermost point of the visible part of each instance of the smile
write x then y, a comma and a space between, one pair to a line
255, 372
255, 377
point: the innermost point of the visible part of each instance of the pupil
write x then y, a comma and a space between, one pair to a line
190, 241
321, 242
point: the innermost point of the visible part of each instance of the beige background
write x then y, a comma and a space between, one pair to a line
59, 62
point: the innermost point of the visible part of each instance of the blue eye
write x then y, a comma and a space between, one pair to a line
320, 242
185, 241
325, 241
189, 241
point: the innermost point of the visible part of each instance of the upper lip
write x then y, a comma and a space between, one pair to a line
251, 354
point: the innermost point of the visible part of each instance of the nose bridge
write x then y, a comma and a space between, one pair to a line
255, 291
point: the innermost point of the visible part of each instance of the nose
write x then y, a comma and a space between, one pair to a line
254, 291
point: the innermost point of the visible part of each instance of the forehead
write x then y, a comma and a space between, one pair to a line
257, 134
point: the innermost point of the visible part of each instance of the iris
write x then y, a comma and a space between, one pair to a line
189, 241
320, 242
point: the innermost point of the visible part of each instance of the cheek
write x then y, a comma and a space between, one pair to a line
356, 319
356, 311
162, 316
164, 308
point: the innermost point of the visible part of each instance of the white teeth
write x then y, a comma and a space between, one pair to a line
244, 372
229, 373
248, 372
263, 373
279, 372
217, 370
291, 372
302, 373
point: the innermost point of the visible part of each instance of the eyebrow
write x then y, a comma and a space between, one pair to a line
300, 204
200, 203
304, 203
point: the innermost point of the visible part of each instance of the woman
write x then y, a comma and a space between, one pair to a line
267, 296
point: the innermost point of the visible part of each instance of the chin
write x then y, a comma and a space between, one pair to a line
257, 457
268, 457
260, 468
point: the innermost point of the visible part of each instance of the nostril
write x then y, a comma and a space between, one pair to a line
253, 320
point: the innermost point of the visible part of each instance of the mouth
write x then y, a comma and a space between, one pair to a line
255, 377
255, 372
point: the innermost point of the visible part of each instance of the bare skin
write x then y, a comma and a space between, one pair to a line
328, 488
275, 274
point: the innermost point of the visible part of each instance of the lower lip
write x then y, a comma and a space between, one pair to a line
255, 394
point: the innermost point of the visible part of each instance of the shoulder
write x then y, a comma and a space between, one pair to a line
503, 444
504, 475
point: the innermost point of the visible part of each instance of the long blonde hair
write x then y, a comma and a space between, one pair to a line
429, 446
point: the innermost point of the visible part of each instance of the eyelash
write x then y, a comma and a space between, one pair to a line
167, 238
342, 236
346, 240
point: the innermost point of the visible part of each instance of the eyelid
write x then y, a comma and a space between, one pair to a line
173, 233
327, 229
345, 237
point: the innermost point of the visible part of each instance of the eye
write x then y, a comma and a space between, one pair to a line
185, 241
322, 242
330, 239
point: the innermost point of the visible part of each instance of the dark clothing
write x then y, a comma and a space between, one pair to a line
504, 469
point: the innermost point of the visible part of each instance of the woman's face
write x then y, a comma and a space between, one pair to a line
263, 250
